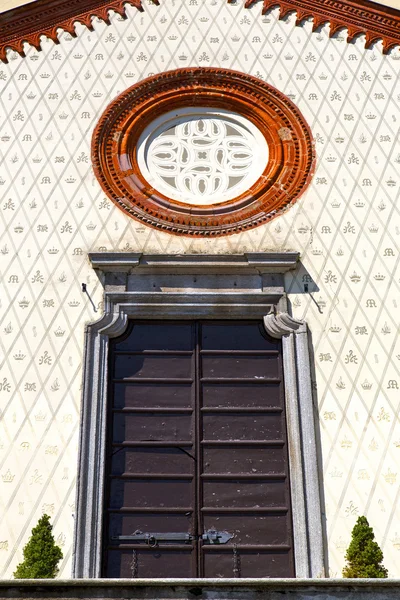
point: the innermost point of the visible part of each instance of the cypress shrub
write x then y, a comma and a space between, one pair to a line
363, 556
41, 553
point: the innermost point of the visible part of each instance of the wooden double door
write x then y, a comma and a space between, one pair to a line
197, 475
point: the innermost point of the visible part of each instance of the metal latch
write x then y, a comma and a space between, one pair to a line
151, 539
216, 537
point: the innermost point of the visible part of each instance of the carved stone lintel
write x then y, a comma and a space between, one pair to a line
278, 325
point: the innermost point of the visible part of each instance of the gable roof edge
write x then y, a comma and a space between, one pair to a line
26, 24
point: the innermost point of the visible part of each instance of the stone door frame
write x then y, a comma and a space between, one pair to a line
198, 287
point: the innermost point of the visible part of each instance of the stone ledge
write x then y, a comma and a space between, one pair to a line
244, 583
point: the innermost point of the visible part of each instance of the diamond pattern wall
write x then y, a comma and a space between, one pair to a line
346, 226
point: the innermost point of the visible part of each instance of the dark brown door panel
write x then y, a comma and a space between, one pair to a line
197, 475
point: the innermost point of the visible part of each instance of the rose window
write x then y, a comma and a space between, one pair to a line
203, 152
202, 157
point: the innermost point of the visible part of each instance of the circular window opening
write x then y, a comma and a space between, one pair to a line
203, 152
202, 156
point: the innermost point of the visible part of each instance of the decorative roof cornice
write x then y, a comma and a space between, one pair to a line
45, 17
375, 21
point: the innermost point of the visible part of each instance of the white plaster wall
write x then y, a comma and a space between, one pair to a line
347, 228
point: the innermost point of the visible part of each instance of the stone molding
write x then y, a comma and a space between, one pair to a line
303, 448
127, 296
286, 176
45, 17
268, 262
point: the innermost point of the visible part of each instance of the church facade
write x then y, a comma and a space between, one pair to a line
199, 353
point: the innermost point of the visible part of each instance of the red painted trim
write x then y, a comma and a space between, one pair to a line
286, 175
44, 17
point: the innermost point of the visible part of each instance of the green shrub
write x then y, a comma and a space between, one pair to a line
363, 556
41, 554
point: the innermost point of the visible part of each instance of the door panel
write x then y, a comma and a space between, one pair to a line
150, 561
152, 395
150, 426
243, 459
251, 563
154, 366
236, 493
253, 366
241, 394
146, 460
241, 426
197, 445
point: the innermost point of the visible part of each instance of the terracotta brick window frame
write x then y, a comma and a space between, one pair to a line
287, 173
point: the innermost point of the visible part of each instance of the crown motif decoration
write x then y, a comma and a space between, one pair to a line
335, 204
366, 385
59, 332
379, 277
40, 416
53, 250
8, 477
355, 278
19, 356
24, 303
73, 303
303, 229
63, 115
70, 179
